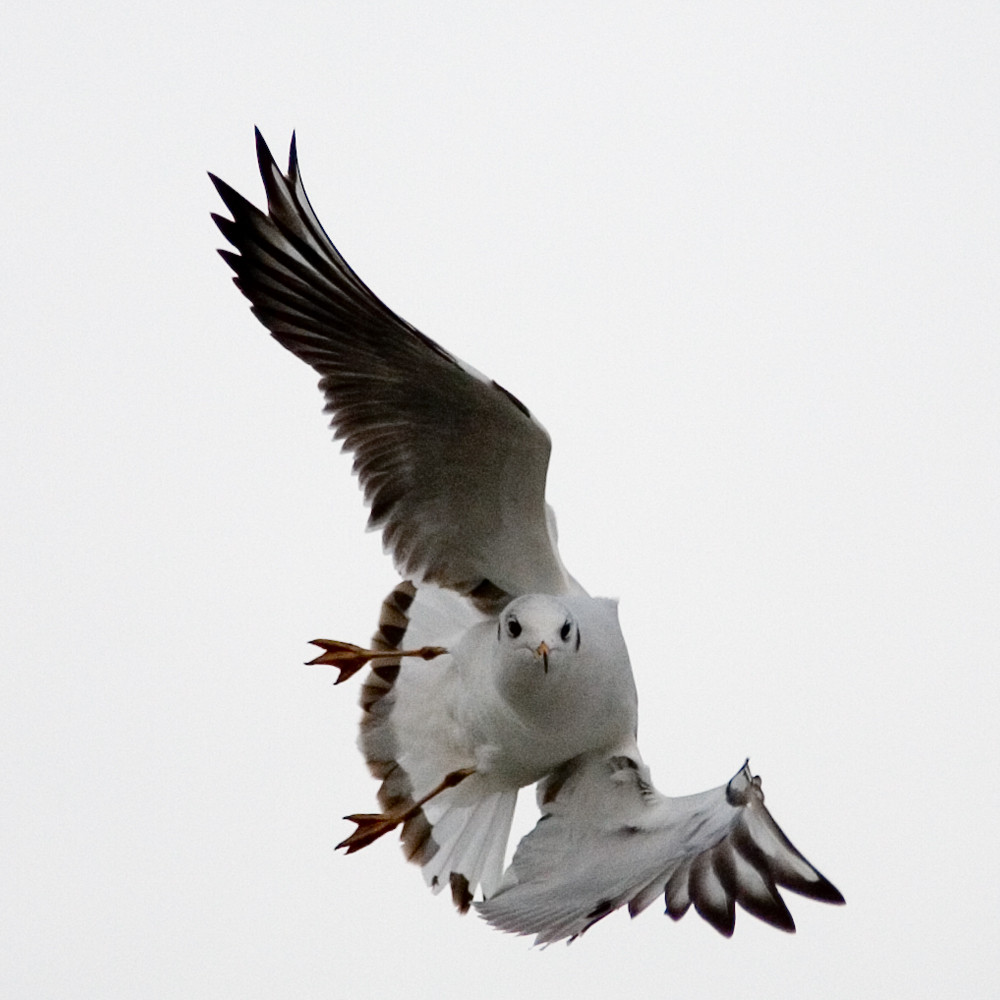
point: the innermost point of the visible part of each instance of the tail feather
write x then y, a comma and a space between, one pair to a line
471, 838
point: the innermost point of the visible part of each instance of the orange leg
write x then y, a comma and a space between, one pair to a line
349, 659
371, 826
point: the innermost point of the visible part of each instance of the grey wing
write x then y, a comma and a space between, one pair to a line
607, 838
452, 465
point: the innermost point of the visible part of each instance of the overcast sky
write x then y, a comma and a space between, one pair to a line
742, 262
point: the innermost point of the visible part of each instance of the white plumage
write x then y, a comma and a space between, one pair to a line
492, 668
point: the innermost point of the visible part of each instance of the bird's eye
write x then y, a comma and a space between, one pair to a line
513, 628
565, 631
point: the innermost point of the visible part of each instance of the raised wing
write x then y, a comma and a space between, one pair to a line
452, 465
607, 838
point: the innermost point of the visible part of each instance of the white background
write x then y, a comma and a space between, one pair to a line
741, 260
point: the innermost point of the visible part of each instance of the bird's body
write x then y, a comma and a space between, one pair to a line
494, 704
527, 718
492, 668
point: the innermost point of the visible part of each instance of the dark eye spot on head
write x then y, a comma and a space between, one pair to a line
513, 628
565, 631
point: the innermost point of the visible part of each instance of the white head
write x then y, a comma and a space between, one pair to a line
563, 661
537, 634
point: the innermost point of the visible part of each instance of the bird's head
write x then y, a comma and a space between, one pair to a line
537, 634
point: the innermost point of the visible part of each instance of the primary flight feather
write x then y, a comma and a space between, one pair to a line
491, 668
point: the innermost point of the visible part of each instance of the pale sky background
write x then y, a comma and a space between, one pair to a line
740, 259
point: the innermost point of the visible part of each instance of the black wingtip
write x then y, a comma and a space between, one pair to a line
773, 911
721, 915
293, 158
225, 191
823, 890
233, 200
264, 158
217, 182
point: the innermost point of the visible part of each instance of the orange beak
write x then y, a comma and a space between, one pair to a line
543, 652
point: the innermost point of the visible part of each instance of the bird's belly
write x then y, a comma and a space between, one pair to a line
519, 749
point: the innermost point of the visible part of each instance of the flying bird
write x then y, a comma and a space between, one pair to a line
492, 668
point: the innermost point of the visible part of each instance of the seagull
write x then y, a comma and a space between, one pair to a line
492, 668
